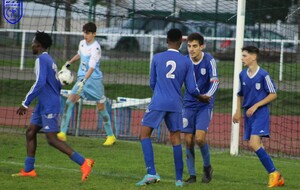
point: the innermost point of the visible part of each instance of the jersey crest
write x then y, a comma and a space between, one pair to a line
12, 10
203, 71
257, 86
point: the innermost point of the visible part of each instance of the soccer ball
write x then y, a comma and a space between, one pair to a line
65, 76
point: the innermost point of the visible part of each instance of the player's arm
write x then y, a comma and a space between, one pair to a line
152, 75
238, 112
73, 59
214, 80
41, 73
190, 81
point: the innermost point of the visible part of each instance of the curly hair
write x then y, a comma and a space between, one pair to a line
44, 39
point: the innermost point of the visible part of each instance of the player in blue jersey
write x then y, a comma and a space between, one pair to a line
197, 114
45, 115
169, 70
89, 83
257, 90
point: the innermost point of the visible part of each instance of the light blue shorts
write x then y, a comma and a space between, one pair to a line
48, 122
92, 90
258, 123
153, 118
196, 119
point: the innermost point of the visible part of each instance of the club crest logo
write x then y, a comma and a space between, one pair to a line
12, 10
203, 71
257, 86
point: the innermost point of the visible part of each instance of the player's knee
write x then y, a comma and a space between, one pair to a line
200, 142
189, 143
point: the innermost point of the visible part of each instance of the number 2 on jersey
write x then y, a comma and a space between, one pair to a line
170, 74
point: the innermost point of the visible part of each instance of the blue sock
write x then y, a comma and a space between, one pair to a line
190, 160
178, 162
107, 122
76, 157
205, 155
66, 117
265, 160
29, 164
148, 156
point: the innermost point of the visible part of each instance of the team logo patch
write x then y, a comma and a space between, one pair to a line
257, 86
185, 122
12, 10
203, 71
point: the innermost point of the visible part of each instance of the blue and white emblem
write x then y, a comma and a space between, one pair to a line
203, 71
12, 10
257, 86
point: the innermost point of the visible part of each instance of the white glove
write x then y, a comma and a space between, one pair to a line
80, 86
66, 65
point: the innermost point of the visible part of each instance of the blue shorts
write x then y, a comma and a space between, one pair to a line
48, 122
196, 119
258, 123
153, 118
92, 90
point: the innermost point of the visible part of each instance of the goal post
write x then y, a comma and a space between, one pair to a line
240, 25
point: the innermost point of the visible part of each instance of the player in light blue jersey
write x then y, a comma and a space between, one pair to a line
197, 114
169, 70
89, 83
257, 90
45, 115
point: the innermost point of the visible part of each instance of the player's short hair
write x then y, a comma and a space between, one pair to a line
89, 27
196, 36
44, 39
174, 35
251, 49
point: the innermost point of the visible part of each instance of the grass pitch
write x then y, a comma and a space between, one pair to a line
122, 165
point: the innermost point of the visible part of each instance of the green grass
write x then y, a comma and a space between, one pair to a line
119, 167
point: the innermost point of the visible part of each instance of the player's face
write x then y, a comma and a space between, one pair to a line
247, 58
89, 37
35, 47
195, 49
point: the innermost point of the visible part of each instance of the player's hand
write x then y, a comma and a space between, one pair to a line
22, 110
236, 117
204, 98
251, 111
66, 66
80, 86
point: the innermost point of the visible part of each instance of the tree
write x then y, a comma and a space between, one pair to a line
298, 22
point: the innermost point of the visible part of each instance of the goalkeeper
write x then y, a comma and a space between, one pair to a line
89, 83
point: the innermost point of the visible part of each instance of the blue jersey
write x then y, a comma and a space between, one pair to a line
169, 70
90, 55
46, 87
256, 88
206, 74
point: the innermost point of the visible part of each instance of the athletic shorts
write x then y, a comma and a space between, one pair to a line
153, 118
92, 90
48, 122
196, 119
258, 123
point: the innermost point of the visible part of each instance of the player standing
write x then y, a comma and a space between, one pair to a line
46, 113
197, 114
89, 83
169, 70
257, 90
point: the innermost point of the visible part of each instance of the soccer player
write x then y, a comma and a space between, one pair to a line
169, 70
197, 114
257, 90
89, 83
45, 115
